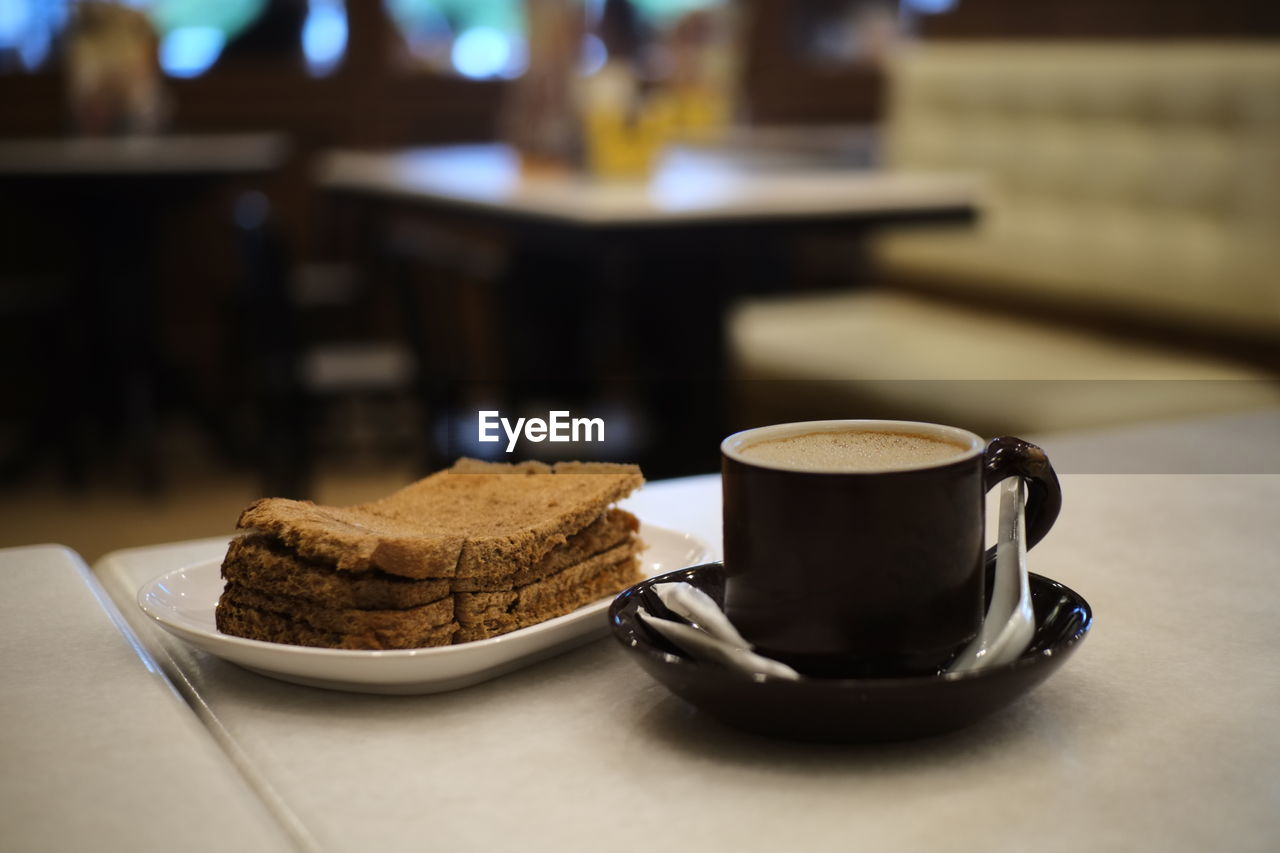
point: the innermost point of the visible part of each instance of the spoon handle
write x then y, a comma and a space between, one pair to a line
1018, 629
1011, 547
1009, 619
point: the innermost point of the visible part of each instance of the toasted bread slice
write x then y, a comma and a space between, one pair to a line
552, 600
261, 563
242, 620
257, 561
475, 520
362, 629
616, 527
475, 606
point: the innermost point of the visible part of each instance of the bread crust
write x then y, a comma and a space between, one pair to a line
611, 579
260, 562
477, 520
616, 527
282, 619
242, 620
543, 593
343, 620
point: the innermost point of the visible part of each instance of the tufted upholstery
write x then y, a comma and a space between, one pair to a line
904, 355
1134, 178
1124, 181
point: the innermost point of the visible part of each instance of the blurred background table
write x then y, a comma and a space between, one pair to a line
105, 360
689, 187
118, 156
618, 287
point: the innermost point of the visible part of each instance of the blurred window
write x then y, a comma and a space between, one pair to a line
193, 34
930, 7
324, 36
479, 39
663, 12
486, 39
27, 32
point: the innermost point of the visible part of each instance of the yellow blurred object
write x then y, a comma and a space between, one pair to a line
700, 115
625, 144
630, 113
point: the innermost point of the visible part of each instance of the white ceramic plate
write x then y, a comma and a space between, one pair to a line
182, 602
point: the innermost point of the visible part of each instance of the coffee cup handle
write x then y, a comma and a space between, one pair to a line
1012, 457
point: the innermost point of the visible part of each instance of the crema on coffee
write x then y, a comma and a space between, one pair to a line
851, 450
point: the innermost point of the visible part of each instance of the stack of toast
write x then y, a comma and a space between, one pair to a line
471, 552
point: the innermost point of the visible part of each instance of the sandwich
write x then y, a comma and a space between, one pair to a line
471, 552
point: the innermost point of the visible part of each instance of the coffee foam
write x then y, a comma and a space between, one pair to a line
852, 450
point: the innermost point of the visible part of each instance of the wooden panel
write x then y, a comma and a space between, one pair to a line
1136, 19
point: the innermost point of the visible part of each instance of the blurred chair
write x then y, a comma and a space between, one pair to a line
321, 375
267, 327
1131, 230
46, 384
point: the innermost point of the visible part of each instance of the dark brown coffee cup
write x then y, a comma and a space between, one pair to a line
867, 573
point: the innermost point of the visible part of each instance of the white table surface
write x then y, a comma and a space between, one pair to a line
683, 190
97, 751
159, 154
1162, 733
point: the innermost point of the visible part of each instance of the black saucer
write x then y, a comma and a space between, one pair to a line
842, 710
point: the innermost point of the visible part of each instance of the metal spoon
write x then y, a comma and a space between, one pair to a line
707, 647
1010, 622
700, 610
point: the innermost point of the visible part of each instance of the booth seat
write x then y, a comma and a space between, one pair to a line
1130, 231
